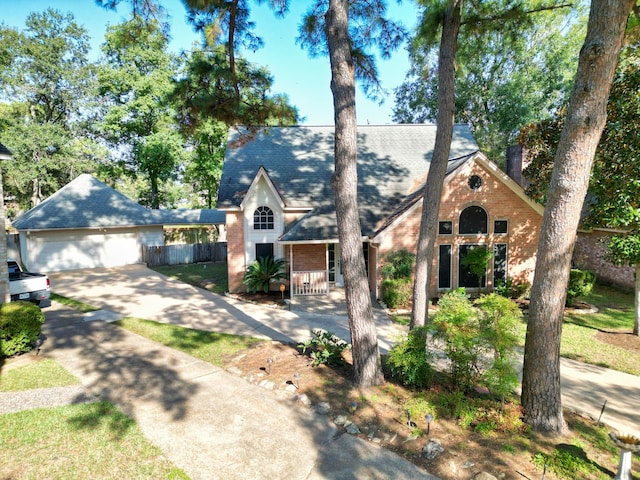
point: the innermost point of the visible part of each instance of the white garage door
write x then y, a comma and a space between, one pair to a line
65, 251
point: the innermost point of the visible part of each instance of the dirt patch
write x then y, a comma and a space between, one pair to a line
270, 299
620, 339
380, 414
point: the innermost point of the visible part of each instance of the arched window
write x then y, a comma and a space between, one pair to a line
473, 220
263, 218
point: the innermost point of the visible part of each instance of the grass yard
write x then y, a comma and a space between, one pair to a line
78, 441
603, 338
41, 374
211, 347
211, 276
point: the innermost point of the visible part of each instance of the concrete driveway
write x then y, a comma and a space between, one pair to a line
137, 291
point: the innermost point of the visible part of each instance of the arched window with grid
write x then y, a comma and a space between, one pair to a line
263, 218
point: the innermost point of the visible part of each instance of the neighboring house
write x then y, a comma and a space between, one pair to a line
87, 224
276, 192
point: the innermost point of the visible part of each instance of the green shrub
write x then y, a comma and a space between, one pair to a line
456, 323
409, 360
20, 327
398, 264
324, 348
511, 289
479, 340
262, 272
581, 284
397, 293
498, 321
567, 462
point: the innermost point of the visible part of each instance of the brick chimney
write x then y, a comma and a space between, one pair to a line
516, 164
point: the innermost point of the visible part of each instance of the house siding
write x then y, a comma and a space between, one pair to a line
500, 203
262, 196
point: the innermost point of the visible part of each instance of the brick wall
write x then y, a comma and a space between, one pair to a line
309, 257
235, 251
590, 253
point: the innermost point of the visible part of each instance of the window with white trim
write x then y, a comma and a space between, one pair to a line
263, 218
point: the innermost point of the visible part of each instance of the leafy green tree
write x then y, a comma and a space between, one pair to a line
209, 89
135, 81
204, 168
506, 77
46, 84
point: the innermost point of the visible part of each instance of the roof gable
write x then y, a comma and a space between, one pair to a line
455, 167
86, 202
262, 175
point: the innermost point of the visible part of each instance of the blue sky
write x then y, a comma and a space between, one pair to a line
305, 80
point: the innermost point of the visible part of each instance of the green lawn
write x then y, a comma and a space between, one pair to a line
615, 314
77, 441
211, 276
41, 374
69, 302
211, 347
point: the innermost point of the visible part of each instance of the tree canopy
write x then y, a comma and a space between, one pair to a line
506, 77
46, 84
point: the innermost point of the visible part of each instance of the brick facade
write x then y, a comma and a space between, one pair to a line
496, 196
235, 250
500, 203
310, 257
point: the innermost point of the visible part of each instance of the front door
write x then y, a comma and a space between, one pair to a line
335, 266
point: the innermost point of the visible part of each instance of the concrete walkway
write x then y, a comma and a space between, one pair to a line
140, 292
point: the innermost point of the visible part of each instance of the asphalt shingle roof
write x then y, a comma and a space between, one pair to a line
86, 202
4, 151
393, 161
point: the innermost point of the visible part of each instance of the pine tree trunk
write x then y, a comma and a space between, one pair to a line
438, 166
366, 355
636, 323
5, 295
586, 117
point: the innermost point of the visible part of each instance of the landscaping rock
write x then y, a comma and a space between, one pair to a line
484, 476
432, 449
323, 408
353, 429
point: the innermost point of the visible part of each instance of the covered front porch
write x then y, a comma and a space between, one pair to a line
315, 268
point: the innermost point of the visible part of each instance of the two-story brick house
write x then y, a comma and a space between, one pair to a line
276, 192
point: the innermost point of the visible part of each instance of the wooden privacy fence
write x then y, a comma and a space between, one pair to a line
154, 256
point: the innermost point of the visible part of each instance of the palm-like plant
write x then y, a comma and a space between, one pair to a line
262, 272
